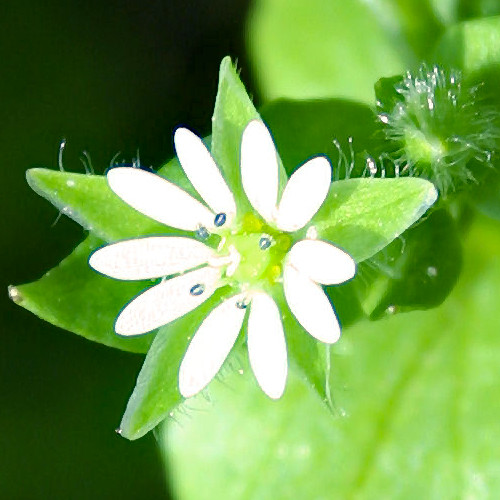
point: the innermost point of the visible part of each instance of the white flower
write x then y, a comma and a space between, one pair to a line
252, 255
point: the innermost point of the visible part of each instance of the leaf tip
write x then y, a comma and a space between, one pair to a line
432, 195
33, 176
15, 294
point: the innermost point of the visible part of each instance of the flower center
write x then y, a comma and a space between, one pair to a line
256, 251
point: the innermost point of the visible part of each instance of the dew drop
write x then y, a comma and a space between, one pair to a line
14, 294
70, 183
383, 118
197, 289
432, 272
312, 233
372, 167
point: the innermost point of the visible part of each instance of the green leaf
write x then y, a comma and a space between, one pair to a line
447, 11
418, 270
302, 129
156, 393
362, 216
486, 196
478, 8
333, 48
74, 297
89, 201
418, 411
472, 46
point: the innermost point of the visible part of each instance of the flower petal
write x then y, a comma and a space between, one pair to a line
304, 193
322, 262
259, 169
210, 346
266, 345
310, 306
150, 257
158, 198
166, 302
203, 173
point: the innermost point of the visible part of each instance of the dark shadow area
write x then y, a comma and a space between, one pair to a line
109, 77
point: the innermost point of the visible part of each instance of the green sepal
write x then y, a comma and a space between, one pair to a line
156, 392
362, 216
232, 113
74, 297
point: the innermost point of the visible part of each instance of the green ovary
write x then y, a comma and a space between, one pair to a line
421, 148
257, 267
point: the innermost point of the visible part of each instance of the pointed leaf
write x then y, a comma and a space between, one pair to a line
156, 393
362, 216
88, 200
75, 297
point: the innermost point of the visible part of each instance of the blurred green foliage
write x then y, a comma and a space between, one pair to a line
417, 405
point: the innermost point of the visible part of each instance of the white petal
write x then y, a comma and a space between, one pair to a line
158, 198
304, 193
266, 345
203, 173
166, 302
210, 346
322, 262
259, 168
150, 257
310, 306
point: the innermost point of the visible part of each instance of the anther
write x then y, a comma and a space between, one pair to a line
242, 304
202, 233
265, 242
220, 219
197, 289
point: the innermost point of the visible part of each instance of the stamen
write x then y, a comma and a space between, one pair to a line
265, 242
243, 303
197, 289
202, 233
220, 219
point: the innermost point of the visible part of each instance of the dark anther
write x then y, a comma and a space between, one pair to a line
220, 219
264, 243
202, 233
197, 289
